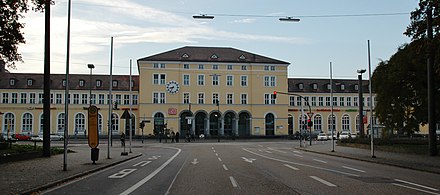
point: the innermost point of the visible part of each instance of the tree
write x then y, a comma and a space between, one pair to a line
417, 28
10, 27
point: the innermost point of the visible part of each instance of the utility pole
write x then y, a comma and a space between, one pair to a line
46, 82
431, 103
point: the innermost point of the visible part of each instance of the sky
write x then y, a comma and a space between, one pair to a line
328, 32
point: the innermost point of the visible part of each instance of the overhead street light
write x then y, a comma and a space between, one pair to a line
91, 66
361, 102
289, 19
203, 16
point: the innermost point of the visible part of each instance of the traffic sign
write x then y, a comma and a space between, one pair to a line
93, 127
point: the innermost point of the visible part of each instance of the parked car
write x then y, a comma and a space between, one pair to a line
21, 137
4, 136
344, 135
56, 137
322, 137
37, 138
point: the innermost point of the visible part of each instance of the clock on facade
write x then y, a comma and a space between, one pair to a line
172, 87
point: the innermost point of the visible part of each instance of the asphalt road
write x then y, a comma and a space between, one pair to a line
248, 168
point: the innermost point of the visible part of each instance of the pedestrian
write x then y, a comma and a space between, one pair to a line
337, 135
177, 137
123, 139
172, 136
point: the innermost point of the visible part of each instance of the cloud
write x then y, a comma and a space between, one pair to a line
247, 20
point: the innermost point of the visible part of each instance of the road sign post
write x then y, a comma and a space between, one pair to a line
93, 138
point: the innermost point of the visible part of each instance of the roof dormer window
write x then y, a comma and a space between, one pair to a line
356, 87
329, 86
242, 57
301, 86
115, 83
98, 83
342, 87
185, 55
315, 86
81, 83
214, 56
30, 82
11, 82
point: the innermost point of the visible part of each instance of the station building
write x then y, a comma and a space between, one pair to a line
215, 91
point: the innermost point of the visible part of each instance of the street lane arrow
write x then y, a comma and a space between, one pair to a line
249, 160
194, 162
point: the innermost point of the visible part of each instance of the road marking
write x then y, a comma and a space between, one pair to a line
260, 145
213, 151
413, 188
219, 159
353, 169
320, 161
268, 151
260, 150
216, 154
226, 168
212, 148
155, 172
142, 163
323, 181
294, 168
249, 160
300, 164
234, 183
154, 158
298, 152
418, 185
276, 150
121, 174
298, 155
194, 162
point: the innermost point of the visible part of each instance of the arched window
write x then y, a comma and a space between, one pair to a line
301, 123
345, 123
9, 121
158, 123
332, 123
270, 124
317, 123
26, 123
115, 123
357, 123
61, 122
40, 131
80, 123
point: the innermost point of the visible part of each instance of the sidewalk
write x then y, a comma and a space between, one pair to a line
411, 161
40, 173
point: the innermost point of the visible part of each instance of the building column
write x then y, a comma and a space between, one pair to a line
207, 127
235, 127
222, 129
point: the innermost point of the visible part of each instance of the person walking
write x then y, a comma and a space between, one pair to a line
123, 139
177, 137
172, 136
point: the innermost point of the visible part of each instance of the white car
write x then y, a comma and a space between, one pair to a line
322, 137
344, 135
37, 138
56, 137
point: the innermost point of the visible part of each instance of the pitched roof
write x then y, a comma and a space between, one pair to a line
349, 84
212, 54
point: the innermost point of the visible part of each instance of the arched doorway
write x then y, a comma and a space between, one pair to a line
270, 124
290, 125
229, 125
133, 126
200, 123
184, 126
158, 123
214, 123
244, 127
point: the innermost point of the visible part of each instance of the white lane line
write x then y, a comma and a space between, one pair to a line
155, 172
300, 164
276, 150
234, 183
212, 147
219, 159
213, 151
226, 168
260, 150
418, 185
298, 155
413, 188
260, 145
142, 163
320, 161
294, 168
298, 152
354, 169
121, 174
323, 181
216, 154
268, 151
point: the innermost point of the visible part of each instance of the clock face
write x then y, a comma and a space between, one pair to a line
172, 87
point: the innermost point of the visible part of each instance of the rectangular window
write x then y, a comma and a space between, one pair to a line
186, 98
162, 65
118, 99
5, 98
32, 98
201, 66
75, 98
215, 98
58, 98
93, 99
81, 83
272, 68
298, 101
335, 101
321, 101
355, 101
266, 68
40, 98
269, 81
29, 82
368, 101
159, 97
11, 82
291, 100
156, 65
244, 67
126, 99
114, 83
266, 81
134, 99
159, 79
185, 66
341, 101
84, 98
215, 67
229, 98
269, 98
98, 83
14, 97
201, 79
215, 80
229, 80
186, 79
244, 98
63, 82
327, 101
313, 101
229, 67
51, 98
244, 81
272, 81
101, 99
201, 98
23, 98
348, 101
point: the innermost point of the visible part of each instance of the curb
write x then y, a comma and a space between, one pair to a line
56, 183
371, 161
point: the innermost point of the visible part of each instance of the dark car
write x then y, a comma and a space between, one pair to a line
21, 137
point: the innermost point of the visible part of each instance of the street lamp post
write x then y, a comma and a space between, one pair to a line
361, 102
218, 121
91, 66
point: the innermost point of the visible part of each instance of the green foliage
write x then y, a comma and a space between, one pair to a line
417, 28
11, 11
